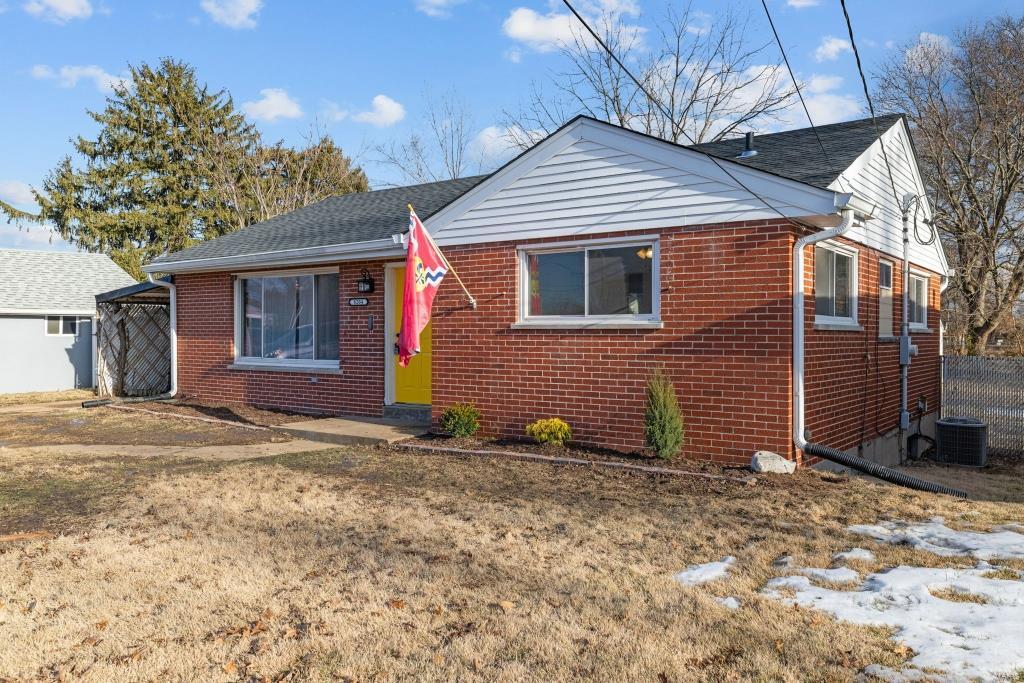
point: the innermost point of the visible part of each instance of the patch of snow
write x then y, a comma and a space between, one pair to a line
861, 554
702, 573
935, 537
965, 639
838, 575
730, 602
884, 673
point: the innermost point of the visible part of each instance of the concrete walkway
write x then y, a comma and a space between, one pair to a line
350, 431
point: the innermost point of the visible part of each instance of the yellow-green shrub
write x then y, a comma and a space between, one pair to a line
552, 430
461, 419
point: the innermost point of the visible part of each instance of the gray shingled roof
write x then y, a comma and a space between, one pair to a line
796, 154
344, 219
367, 216
56, 282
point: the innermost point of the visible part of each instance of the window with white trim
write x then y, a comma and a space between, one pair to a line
835, 285
590, 283
885, 298
62, 325
918, 308
287, 319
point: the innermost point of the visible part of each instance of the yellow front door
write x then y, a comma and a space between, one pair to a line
412, 383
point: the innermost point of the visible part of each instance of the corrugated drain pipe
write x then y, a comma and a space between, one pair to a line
799, 426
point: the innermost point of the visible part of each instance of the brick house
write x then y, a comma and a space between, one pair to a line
595, 257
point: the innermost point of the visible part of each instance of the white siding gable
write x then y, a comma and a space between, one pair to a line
868, 179
590, 178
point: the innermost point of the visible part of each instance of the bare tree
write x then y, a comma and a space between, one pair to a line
445, 152
709, 79
965, 101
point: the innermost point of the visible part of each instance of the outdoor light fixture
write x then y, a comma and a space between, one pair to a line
365, 283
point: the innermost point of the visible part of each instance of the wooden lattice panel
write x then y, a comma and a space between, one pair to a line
134, 350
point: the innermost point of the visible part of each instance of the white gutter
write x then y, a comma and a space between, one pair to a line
798, 316
173, 291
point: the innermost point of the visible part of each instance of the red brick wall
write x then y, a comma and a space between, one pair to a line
853, 378
726, 343
725, 301
206, 349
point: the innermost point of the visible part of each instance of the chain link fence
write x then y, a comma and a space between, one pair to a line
990, 389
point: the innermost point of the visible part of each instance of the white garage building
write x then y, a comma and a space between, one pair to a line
47, 309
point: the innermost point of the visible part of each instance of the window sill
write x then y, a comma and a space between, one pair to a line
888, 339
589, 325
921, 330
274, 367
838, 327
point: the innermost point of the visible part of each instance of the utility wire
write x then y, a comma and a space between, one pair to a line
871, 106
796, 85
664, 110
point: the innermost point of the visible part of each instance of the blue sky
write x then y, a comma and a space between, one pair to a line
361, 68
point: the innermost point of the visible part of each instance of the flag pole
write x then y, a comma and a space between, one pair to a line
472, 301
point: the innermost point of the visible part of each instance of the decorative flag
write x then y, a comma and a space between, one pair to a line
425, 267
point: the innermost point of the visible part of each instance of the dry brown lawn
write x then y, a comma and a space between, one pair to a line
46, 397
373, 564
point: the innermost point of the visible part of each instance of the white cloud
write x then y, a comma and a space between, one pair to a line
824, 104
438, 9
800, 4
491, 146
59, 11
930, 47
832, 107
494, 145
822, 84
514, 55
830, 48
386, 112
17, 193
233, 13
554, 30
69, 75
938, 40
41, 71
333, 113
274, 104
542, 32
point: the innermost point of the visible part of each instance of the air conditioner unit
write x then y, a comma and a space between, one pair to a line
961, 441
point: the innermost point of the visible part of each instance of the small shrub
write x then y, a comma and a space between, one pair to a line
663, 423
461, 419
552, 430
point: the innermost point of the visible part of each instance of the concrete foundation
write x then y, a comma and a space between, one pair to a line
885, 449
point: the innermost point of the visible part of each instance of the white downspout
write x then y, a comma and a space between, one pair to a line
798, 319
174, 337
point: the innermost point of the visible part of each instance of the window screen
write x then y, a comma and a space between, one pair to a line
834, 294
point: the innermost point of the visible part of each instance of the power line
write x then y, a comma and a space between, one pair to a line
871, 106
654, 100
796, 85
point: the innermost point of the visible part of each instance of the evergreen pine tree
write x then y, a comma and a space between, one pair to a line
663, 422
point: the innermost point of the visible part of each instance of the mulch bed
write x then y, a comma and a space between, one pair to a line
232, 412
578, 452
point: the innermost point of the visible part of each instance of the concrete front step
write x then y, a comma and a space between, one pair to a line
408, 413
350, 431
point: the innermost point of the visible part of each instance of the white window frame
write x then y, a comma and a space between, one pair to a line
917, 275
78, 322
891, 288
281, 363
837, 320
645, 320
